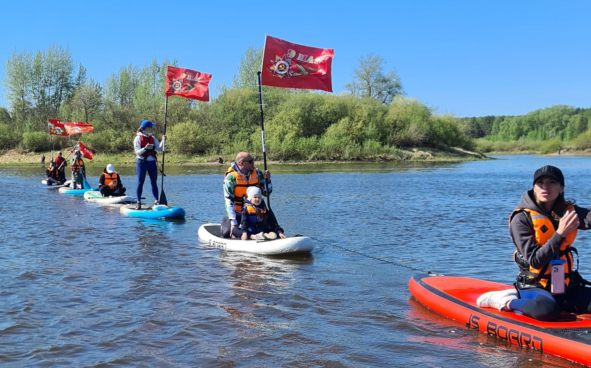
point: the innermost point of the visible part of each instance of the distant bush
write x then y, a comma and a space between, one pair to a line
8, 137
522, 145
36, 141
551, 146
190, 138
583, 141
109, 140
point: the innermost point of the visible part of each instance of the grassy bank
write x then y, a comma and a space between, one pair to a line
15, 157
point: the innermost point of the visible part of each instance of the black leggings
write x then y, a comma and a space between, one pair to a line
226, 225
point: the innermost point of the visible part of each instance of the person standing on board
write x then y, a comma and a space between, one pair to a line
60, 164
543, 227
146, 146
78, 170
240, 175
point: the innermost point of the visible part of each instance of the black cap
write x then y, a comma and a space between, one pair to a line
551, 172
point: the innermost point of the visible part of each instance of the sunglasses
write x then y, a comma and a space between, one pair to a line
248, 161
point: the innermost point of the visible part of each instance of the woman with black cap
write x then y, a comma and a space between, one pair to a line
543, 227
145, 146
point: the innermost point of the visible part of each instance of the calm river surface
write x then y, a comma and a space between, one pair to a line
83, 286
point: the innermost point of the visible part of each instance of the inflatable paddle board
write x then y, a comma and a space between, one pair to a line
77, 192
211, 235
95, 196
74, 192
159, 211
54, 186
455, 298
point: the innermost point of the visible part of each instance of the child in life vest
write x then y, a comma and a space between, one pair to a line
257, 221
110, 182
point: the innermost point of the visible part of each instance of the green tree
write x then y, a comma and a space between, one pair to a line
38, 85
247, 71
118, 99
51, 82
370, 81
86, 103
18, 84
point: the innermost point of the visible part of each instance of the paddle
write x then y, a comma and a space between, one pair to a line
162, 199
86, 184
263, 138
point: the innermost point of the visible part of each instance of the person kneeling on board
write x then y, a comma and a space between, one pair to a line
52, 175
241, 174
543, 227
257, 221
110, 182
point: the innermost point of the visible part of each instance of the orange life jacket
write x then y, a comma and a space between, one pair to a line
77, 166
242, 182
251, 209
111, 179
256, 217
543, 231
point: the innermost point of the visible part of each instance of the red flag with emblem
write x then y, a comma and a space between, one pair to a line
85, 151
56, 127
290, 65
187, 83
78, 127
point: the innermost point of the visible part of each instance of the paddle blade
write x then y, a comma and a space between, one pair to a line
162, 199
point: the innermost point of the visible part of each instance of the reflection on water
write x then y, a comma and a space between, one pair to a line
86, 286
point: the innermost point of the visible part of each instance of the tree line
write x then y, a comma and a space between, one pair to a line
545, 130
373, 120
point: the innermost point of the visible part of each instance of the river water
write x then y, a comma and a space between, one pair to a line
83, 286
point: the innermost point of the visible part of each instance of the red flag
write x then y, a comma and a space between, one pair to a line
85, 151
187, 83
78, 127
56, 127
290, 65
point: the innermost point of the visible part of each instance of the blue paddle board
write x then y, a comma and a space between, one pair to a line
155, 212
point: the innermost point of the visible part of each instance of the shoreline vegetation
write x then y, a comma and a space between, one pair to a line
23, 158
374, 122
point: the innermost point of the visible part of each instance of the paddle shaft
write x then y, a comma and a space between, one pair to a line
263, 137
162, 199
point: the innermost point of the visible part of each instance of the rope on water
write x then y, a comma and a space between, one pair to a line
379, 259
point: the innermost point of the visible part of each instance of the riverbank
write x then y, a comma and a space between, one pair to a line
16, 157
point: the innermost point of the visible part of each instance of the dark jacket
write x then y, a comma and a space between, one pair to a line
255, 224
522, 231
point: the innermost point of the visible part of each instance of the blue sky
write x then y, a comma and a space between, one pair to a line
465, 58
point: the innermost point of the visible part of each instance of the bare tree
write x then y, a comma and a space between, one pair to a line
370, 81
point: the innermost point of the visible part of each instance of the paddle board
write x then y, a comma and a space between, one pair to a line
54, 186
96, 197
455, 298
210, 234
155, 212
